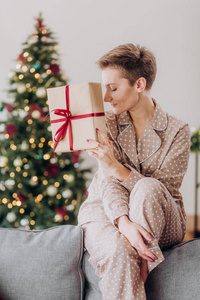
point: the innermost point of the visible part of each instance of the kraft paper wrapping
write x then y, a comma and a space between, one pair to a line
84, 98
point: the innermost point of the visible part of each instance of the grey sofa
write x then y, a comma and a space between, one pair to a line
52, 265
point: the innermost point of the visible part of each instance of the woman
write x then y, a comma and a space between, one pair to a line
134, 208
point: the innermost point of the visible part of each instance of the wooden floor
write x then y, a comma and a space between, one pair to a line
190, 227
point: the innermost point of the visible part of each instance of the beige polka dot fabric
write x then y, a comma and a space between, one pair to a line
150, 196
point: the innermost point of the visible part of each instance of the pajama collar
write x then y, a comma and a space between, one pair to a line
150, 140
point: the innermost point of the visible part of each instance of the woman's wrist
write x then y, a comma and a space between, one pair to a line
120, 172
122, 223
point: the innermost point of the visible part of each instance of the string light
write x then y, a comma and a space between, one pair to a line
21, 77
29, 59
30, 121
12, 174
10, 205
24, 160
26, 108
26, 54
42, 139
18, 203
37, 75
27, 86
34, 88
20, 185
40, 145
13, 147
48, 71
18, 169
31, 140
6, 136
18, 66
25, 174
66, 218
21, 211
58, 196
26, 100
33, 146
45, 182
24, 68
4, 200
32, 222
65, 176
32, 214
57, 184
40, 80
46, 156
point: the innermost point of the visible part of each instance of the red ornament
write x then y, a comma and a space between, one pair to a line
21, 58
61, 211
9, 107
55, 69
75, 156
52, 170
21, 197
39, 24
11, 129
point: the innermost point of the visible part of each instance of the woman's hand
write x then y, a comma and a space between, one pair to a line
103, 151
136, 235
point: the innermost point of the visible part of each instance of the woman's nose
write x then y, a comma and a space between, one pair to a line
107, 97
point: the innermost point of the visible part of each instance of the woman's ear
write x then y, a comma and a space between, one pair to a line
141, 84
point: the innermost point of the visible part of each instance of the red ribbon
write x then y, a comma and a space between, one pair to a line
67, 117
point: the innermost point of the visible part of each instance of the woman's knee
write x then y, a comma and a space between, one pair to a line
147, 186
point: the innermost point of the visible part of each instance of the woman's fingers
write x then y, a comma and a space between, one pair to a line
103, 137
146, 234
95, 144
146, 253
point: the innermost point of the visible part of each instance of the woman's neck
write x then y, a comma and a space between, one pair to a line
142, 113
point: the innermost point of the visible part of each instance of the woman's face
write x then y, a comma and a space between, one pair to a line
119, 93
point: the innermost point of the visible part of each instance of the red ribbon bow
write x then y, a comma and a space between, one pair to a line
67, 117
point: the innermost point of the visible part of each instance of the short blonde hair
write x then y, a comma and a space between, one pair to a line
133, 61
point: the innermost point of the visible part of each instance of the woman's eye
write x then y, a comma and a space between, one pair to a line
114, 90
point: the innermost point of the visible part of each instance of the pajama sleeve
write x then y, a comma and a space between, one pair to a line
173, 167
114, 196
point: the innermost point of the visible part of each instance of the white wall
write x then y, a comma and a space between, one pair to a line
86, 29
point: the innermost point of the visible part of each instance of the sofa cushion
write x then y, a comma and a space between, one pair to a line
176, 278
41, 264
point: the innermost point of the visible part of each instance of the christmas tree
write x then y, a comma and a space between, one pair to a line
37, 190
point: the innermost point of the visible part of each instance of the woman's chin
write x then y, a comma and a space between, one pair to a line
117, 111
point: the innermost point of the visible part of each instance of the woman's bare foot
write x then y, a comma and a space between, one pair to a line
144, 270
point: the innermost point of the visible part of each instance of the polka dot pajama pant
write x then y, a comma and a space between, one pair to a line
115, 261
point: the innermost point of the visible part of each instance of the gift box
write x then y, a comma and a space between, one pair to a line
75, 113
